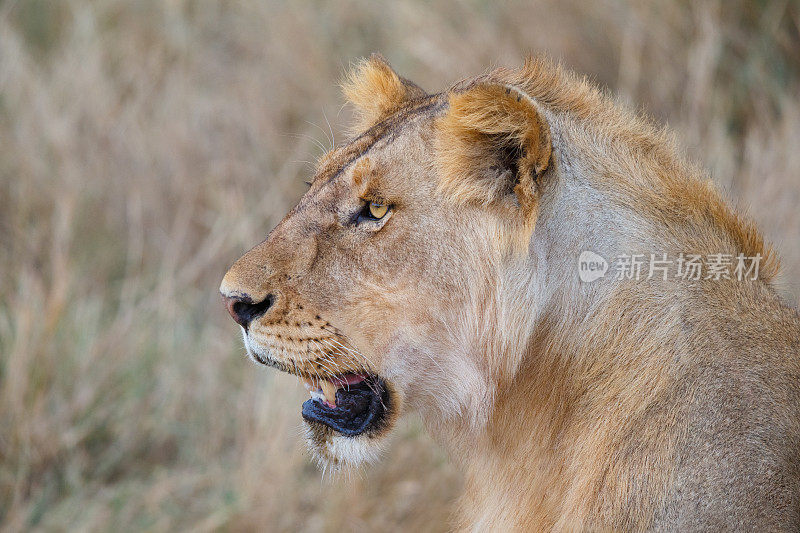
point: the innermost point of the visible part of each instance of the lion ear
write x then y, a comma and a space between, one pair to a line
492, 142
376, 91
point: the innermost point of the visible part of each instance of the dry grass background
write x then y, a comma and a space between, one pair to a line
145, 145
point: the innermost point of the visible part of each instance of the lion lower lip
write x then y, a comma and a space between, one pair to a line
356, 406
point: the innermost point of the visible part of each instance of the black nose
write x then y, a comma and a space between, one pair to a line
244, 310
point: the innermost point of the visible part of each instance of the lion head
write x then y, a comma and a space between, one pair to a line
383, 288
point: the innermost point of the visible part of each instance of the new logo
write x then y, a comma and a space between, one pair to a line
591, 266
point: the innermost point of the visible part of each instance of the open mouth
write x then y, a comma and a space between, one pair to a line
351, 404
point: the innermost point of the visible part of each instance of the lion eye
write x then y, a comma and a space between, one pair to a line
373, 212
378, 211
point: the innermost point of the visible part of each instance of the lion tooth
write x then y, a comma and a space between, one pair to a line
329, 390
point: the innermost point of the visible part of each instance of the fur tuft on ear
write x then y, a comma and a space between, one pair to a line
493, 140
376, 91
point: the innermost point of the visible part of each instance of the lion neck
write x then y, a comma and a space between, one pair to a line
570, 376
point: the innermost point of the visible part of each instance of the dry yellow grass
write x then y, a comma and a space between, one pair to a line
145, 145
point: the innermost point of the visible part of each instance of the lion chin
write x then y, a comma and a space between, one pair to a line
333, 451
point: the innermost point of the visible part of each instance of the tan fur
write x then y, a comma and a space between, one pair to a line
616, 405
376, 91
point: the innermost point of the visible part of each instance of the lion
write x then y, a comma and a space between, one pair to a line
434, 266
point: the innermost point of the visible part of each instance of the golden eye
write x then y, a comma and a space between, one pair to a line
378, 211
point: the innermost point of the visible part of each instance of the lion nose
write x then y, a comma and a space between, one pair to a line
244, 310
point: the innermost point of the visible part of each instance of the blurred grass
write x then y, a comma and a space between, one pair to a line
145, 145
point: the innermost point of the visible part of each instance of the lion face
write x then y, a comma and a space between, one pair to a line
373, 290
